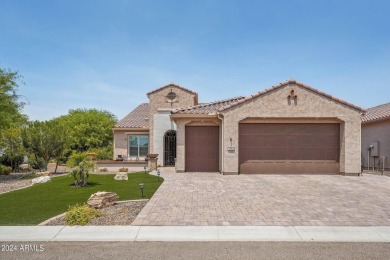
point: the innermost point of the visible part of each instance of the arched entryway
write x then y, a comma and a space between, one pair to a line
169, 148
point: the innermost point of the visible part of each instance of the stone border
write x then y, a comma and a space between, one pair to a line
63, 214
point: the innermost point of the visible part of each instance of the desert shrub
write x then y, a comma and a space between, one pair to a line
123, 169
82, 171
5, 170
103, 170
75, 159
104, 153
80, 214
30, 176
13, 161
36, 163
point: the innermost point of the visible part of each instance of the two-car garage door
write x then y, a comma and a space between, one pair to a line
289, 147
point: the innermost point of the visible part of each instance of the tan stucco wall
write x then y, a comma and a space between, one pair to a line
158, 100
376, 131
121, 139
309, 105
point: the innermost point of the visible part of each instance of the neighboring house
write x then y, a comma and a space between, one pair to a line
376, 130
289, 128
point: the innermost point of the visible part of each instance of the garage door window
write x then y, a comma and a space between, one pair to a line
138, 145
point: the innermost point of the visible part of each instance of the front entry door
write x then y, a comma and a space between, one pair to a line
169, 148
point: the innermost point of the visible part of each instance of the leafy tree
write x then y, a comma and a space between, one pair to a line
10, 106
88, 129
12, 142
44, 140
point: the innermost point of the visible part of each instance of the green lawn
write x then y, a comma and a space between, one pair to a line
33, 205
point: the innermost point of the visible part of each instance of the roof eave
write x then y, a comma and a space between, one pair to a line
130, 128
180, 116
375, 120
299, 84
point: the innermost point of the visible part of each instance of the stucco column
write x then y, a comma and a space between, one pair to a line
180, 146
353, 142
230, 158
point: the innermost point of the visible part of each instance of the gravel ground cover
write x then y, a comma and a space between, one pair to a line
119, 214
13, 181
16, 181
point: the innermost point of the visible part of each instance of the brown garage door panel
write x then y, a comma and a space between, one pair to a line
202, 148
289, 147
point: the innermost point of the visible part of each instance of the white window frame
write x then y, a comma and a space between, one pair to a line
138, 150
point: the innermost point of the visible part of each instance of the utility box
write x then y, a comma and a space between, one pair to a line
375, 150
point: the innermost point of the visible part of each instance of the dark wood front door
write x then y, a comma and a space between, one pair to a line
202, 148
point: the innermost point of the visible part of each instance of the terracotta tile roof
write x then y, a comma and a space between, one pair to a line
207, 108
290, 82
172, 85
138, 118
377, 113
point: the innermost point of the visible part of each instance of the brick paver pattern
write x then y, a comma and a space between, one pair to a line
201, 199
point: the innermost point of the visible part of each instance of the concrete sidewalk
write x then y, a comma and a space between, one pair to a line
196, 233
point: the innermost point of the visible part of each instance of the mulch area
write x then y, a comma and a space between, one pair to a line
119, 214
18, 180
13, 181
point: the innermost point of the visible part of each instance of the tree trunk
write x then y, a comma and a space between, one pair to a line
46, 163
55, 170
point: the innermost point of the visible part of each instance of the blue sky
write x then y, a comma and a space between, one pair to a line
108, 54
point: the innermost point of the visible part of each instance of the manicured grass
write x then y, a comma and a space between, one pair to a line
33, 205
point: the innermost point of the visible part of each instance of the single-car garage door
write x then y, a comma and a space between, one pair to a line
202, 148
289, 148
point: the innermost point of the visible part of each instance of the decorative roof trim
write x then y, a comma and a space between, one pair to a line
171, 85
286, 83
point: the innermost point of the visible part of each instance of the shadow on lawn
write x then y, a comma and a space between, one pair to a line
90, 184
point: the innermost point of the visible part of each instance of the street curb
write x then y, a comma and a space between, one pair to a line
197, 233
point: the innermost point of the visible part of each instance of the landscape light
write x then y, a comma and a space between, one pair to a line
141, 186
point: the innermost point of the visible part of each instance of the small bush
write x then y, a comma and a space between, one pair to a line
123, 169
80, 214
5, 170
75, 159
30, 176
104, 153
103, 170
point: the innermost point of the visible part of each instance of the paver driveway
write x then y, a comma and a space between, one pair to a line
214, 199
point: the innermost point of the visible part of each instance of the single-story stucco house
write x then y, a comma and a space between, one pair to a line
376, 137
289, 128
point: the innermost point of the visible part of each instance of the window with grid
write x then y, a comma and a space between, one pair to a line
138, 145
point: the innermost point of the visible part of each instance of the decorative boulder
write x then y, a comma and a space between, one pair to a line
42, 179
102, 199
121, 177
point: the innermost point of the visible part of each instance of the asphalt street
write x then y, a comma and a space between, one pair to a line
193, 250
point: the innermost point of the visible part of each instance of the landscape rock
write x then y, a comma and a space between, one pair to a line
121, 177
102, 199
42, 179
47, 173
